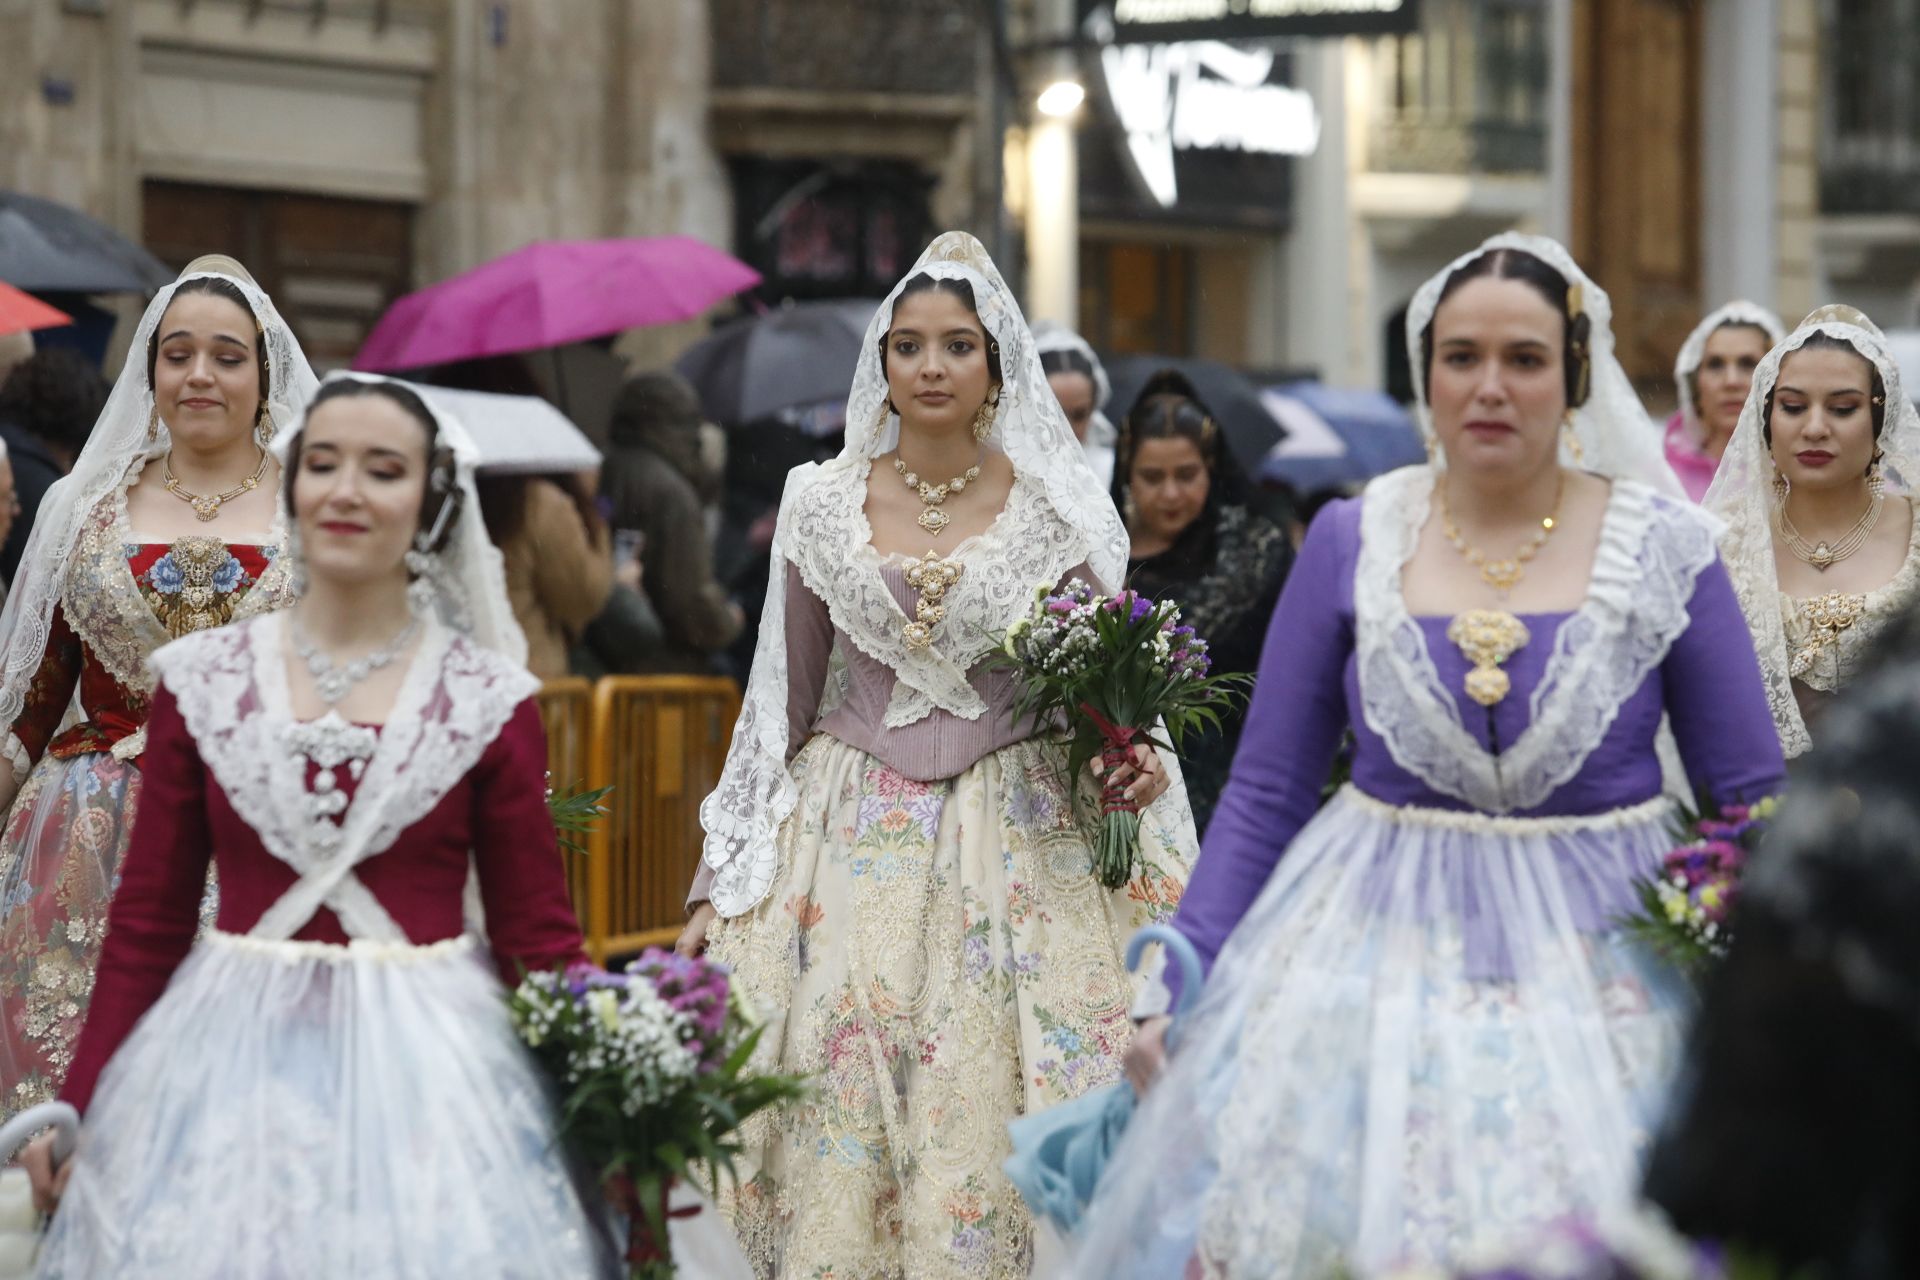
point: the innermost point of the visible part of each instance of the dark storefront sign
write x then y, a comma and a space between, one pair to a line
825, 229
1201, 134
1133, 21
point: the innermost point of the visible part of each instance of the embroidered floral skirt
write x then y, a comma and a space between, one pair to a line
59, 861
1425, 1042
939, 958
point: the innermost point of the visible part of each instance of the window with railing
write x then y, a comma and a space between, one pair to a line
1870, 106
1467, 93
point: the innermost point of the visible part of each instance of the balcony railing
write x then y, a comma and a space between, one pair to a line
1870, 106
1467, 93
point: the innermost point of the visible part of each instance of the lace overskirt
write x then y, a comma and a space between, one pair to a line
1424, 1039
295, 1109
940, 959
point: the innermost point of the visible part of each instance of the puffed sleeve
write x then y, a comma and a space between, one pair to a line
1293, 729
523, 883
156, 908
1717, 701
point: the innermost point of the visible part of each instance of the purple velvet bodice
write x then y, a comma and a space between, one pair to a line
1308, 694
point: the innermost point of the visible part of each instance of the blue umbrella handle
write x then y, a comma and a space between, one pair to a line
1183, 954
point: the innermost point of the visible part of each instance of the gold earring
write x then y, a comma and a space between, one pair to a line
153, 424
983, 420
1877, 475
263, 426
1570, 439
1781, 487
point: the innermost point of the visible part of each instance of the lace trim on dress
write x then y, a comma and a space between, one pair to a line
1652, 550
231, 687
1838, 656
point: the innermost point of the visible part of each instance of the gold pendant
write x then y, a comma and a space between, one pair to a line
932, 577
934, 521
206, 509
1487, 638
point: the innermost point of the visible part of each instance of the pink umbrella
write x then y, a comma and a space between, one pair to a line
550, 293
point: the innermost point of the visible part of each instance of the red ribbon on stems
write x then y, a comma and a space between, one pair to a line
1116, 751
643, 1250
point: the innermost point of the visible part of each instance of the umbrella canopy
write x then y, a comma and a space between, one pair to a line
1339, 438
47, 247
20, 310
516, 434
553, 292
791, 358
1250, 427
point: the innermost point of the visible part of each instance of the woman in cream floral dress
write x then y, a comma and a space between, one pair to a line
894, 859
166, 526
1815, 489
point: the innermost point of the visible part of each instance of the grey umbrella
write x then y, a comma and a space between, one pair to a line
50, 248
798, 355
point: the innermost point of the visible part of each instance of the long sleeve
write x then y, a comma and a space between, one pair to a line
47, 696
679, 573
573, 568
1293, 728
809, 647
523, 884
156, 908
1716, 699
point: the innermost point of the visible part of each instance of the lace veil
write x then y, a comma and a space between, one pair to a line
118, 442
1742, 497
1048, 337
1694, 350
1612, 435
1058, 516
470, 582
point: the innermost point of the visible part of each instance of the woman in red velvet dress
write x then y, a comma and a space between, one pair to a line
326, 1083
167, 525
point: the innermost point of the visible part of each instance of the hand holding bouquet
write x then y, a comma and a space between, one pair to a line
651, 1068
1685, 909
1113, 666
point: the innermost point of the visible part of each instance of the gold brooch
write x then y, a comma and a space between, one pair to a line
1827, 617
1488, 637
932, 577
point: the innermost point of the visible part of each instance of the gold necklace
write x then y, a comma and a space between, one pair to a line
1824, 555
932, 519
206, 508
1502, 575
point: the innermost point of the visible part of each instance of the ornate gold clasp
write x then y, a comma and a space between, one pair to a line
1487, 638
932, 577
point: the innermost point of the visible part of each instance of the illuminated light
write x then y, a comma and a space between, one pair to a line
1061, 98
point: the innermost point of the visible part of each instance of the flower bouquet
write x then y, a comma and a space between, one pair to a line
651, 1068
1685, 909
1112, 666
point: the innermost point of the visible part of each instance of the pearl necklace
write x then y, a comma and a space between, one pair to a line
333, 683
1825, 555
932, 519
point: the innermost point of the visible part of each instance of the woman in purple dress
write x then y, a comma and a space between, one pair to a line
1423, 1034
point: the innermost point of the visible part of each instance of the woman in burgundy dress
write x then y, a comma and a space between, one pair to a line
326, 1083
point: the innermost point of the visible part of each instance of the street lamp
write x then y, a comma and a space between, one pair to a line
1061, 98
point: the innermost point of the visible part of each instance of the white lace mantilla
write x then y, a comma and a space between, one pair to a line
1652, 550
231, 686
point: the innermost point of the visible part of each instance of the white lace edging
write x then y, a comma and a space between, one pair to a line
1651, 552
354, 951
1636, 815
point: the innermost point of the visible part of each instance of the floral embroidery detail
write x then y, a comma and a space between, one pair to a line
195, 585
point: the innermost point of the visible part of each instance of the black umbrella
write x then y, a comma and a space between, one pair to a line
799, 355
1233, 398
47, 247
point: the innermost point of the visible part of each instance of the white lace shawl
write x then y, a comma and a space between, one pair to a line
114, 451
1612, 434
1742, 496
1057, 516
231, 686
1652, 550
1694, 350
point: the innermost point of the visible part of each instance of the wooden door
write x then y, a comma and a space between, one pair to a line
1636, 203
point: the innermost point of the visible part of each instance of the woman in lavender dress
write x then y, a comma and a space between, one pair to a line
1423, 1033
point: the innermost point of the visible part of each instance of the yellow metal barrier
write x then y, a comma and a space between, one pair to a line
659, 742
566, 710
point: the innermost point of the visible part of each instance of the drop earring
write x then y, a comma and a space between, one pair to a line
153, 424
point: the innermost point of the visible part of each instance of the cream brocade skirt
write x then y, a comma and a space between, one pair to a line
939, 959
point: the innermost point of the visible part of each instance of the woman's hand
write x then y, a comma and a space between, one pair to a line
49, 1184
1147, 1054
1144, 778
693, 938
